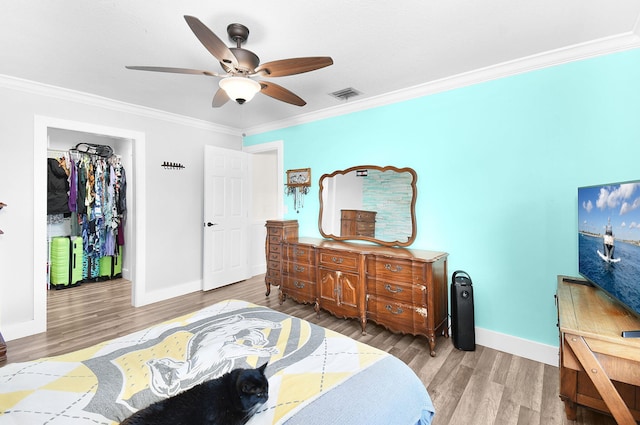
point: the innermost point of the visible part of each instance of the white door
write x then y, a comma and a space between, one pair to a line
226, 217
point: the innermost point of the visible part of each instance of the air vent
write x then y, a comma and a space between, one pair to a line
346, 94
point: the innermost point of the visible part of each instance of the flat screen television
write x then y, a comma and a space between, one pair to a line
609, 240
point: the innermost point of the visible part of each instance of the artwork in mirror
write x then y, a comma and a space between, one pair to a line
370, 203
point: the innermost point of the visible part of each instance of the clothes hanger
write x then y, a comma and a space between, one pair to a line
102, 151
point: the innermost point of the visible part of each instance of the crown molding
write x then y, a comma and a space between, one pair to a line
604, 46
37, 88
548, 59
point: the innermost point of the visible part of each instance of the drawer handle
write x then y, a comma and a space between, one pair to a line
298, 268
393, 291
298, 285
397, 311
391, 269
299, 252
337, 260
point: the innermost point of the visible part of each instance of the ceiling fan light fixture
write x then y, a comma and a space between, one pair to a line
240, 89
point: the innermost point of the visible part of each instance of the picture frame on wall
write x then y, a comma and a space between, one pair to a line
299, 177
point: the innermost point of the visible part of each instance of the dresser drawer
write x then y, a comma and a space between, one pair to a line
274, 256
340, 260
365, 216
299, 289
275, 247
276, 232
300, 253
300, 270
274, 274
275, 240
398, 291
397, 316
393, 269
358, 215
273, 265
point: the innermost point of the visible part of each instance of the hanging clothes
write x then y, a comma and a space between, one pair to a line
73, 187
93, 190
57, 188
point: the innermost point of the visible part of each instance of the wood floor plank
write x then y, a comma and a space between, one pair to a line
478, 402
525, 382
482, 387
551, 412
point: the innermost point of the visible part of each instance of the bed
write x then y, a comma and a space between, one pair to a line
316, 376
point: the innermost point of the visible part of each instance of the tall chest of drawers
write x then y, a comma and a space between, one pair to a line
278, 231
357, 223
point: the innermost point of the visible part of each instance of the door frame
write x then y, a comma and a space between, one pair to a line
257, 229
136, 209
277, 147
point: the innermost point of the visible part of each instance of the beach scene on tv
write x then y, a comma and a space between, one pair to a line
609, 239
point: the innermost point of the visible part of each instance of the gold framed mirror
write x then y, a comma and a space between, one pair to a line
370, 203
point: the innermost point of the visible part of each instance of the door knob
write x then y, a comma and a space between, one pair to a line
209, 224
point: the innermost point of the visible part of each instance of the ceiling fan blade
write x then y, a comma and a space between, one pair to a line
174, 70
211, 41
293, 66
278, 92
220, 98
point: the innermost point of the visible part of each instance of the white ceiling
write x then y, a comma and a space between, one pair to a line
380, 48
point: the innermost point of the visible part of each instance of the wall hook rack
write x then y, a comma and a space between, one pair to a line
298, 183
172, 165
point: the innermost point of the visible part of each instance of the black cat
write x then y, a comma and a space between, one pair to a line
230, 399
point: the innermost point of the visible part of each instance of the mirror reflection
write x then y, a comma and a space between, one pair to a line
369, 203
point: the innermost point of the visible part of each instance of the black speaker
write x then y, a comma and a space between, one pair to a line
462, 320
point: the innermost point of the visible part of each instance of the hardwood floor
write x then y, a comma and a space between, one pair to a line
481, 387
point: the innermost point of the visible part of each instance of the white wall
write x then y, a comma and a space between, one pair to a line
172, 225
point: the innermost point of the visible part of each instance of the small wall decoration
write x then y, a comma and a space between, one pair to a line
299, 177
298, 184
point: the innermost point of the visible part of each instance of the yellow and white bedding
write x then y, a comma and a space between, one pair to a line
315, 375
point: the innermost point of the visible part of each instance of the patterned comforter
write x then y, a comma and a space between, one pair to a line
315, 375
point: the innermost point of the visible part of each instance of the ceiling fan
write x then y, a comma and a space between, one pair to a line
241, 66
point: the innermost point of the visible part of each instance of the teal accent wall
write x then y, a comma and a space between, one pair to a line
498, 167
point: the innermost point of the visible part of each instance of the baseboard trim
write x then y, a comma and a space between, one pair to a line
20, 330
171, 292
543, 353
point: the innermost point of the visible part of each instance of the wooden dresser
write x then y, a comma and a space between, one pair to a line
404, 290
357, 223
598, 368
278, 231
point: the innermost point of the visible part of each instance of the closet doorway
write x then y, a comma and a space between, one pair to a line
60, 141
60, 135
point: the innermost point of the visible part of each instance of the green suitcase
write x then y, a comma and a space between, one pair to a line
111, 265
65, 267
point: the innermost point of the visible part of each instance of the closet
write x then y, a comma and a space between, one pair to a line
86, 214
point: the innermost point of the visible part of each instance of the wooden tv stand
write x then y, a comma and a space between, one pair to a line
598, 368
